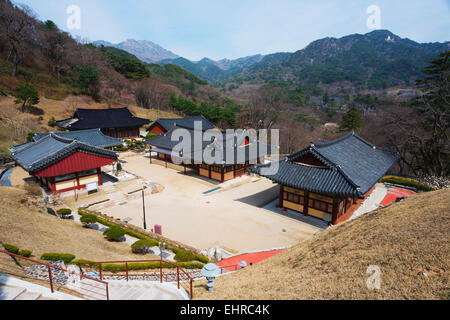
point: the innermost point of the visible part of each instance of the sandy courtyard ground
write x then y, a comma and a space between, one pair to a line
230, 219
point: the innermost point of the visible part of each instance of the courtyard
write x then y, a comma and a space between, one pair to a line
233, 219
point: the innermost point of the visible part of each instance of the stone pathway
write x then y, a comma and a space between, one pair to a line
373, 202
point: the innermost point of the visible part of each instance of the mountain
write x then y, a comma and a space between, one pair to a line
376, 60
146, 51
214, 71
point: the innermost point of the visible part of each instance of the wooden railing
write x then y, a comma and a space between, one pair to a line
181, 275
96, 290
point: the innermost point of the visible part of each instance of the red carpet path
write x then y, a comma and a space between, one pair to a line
232, 264
394, 194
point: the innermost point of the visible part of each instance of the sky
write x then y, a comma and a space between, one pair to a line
232, 29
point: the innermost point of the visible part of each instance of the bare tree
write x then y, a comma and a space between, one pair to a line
18, 28
262, 111
55, 49
150, 94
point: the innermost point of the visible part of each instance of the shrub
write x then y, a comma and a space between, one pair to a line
64, 212
185, 256
10, 248
151, 136
51, 122
88, 219
149, 265
114, 233
65, 257
25, 253
85, 263
408, 183
142, 246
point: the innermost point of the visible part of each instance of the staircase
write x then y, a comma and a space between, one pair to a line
8, 292
142, 290
15, 289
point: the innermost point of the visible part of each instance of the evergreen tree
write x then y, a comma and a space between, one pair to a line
88, 81
352, 120
26, 94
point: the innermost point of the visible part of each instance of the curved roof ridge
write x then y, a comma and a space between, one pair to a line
337, 140
51, 154
32, 144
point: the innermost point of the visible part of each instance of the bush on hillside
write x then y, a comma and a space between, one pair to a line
25, 253
185, 256
88, 219
114, 233
51, 122
408, 183
142, 246
51, 256
10, 248
149, 265
64, 213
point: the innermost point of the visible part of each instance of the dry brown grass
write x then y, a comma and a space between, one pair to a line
23, 224
409, 241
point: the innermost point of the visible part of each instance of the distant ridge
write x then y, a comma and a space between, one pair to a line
146, 51
376, 60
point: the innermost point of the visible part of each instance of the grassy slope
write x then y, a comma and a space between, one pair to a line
409, 241
24, 225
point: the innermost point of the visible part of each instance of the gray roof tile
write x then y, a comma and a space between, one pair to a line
352, 167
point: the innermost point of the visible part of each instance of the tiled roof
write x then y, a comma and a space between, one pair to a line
250, 152
102, 118
188, 123
352, 167
93, 137
51, 149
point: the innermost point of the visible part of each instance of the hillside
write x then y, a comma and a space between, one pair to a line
24, 224
376, 60
409, 241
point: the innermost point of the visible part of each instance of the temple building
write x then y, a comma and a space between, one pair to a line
245, 152
162, 126
62, 164
330, 180
116, 123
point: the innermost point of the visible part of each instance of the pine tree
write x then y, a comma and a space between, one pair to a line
352, 120
26, 94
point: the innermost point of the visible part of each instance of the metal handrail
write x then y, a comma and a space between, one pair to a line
50, 267
127, 274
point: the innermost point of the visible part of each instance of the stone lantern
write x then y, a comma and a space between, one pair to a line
210, 271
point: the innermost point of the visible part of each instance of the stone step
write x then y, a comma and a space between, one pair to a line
10, 292
122, 294
27, 295
46, 298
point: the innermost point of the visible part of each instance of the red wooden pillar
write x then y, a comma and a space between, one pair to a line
223, 174
53, 185
306, 206
280, 200
99, 174
335, 215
